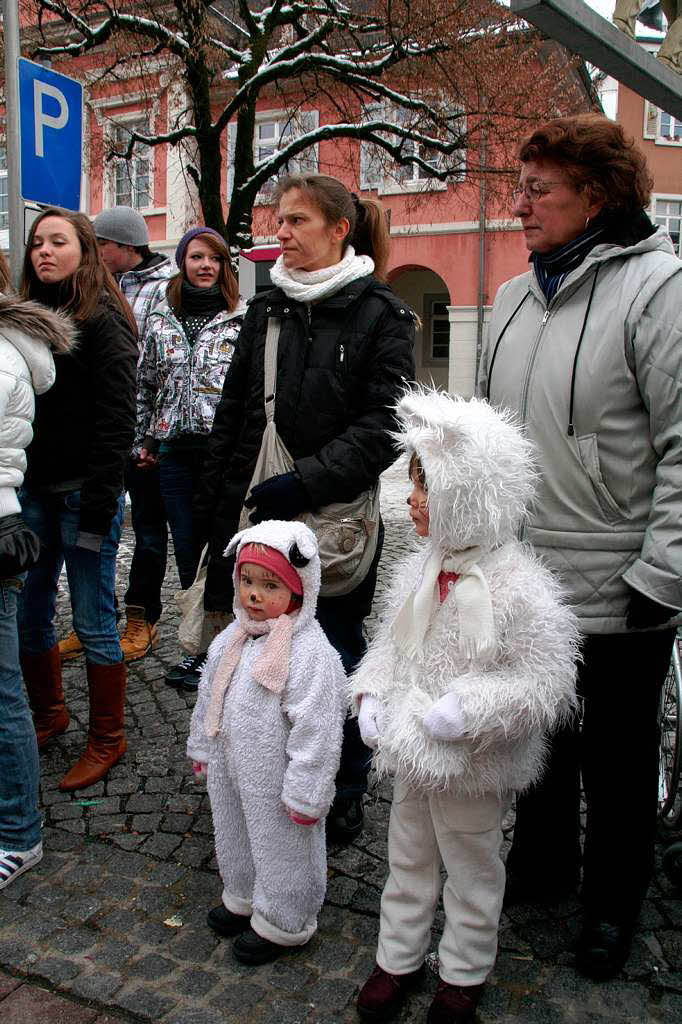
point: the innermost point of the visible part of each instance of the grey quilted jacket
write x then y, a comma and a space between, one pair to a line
596, 378
178, 384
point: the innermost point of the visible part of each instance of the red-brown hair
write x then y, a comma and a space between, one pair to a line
597, 157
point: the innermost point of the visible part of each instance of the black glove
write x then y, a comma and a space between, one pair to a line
643, 613
19, 547
280, 497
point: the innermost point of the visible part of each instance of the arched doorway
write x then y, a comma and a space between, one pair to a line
427, 294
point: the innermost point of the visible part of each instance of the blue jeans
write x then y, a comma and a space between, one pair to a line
148, 517
19, 768
180, 474
91, 576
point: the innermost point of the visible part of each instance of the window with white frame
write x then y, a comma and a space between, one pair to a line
132, 185
274, 131
378, 171
4, 191
436, 329
667, 211
664, 129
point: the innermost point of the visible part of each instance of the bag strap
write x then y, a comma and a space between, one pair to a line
270, 366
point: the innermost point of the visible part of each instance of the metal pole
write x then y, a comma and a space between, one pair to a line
481, 248
15, 204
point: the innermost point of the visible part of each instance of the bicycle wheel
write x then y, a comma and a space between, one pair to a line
670, 751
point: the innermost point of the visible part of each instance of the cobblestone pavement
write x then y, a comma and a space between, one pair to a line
111, 925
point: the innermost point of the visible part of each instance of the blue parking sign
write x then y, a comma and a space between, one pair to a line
51, 129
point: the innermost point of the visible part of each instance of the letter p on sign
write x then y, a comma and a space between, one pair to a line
51, 130
42, 118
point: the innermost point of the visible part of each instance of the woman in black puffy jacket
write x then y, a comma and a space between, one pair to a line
346, 347
72, 496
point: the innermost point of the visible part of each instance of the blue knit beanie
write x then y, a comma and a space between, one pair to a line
187, 238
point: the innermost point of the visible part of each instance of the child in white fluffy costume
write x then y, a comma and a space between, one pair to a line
473, 661
268, 724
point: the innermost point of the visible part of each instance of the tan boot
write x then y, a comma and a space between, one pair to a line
70, 647
139, 636
106, 740
43, 678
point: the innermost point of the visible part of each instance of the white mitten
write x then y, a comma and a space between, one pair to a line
370, 720
445, 720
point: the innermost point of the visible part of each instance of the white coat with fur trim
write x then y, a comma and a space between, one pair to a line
480, 479
289, 742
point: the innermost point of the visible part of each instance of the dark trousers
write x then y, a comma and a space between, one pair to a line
148, 517
341, 619
616, 747
180, 476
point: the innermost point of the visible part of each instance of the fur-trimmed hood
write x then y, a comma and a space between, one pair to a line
478, 466
36, 332
298, 544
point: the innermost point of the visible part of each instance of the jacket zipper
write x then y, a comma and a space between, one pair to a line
529, 369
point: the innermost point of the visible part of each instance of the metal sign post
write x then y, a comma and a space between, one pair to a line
15, 204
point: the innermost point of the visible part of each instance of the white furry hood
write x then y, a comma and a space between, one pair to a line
298, 544
478, 466
36, 332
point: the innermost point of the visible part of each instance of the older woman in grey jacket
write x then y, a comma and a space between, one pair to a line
587, 348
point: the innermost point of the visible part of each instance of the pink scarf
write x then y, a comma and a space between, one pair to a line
271, 669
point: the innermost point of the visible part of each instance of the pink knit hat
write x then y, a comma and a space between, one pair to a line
275, 562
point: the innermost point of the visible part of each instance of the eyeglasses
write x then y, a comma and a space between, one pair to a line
534, 190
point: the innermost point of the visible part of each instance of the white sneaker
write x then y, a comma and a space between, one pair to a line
13, 863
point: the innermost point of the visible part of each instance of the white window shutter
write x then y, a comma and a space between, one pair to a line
371, 162
650, 120
308, 161
231, 144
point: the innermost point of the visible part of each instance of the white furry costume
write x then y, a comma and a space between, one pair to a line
273, 749
510, 663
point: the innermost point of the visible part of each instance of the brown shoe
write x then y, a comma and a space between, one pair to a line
383, 994
454, 1004
106, 741
43, 679
70, 647
139, 636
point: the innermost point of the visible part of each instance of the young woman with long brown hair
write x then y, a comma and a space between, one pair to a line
186, 353
72, 496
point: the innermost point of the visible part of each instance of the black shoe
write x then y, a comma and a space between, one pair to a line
251, 948
345, 820
186, 674
603, 948
224, 922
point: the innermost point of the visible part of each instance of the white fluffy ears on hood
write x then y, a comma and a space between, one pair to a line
299, 546
479, 467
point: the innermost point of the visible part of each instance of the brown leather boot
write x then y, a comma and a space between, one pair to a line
383, 994
106, 741
139, 636
43, 678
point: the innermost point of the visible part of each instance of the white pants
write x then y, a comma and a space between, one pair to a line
466, 833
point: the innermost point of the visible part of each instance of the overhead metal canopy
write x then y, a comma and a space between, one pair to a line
583, 31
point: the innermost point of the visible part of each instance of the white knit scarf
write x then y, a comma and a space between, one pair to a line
312, 285
271, 669
474, 606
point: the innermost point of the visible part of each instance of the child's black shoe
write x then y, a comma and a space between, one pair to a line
250, 948
224, 922
345, 820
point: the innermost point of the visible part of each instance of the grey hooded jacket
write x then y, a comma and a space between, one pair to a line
596, 378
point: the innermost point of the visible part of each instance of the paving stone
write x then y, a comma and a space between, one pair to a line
163, 785
15, 952
193, 944
81, 908
145, 1002
74, 939
195, 982
142, 803
101, 824
195, 1016
145, 823
60, 812
167, 874
152, 967
127, 841
161, 845
114, 953
30, 1004
193, 852
99, 986
8, 985
124, 786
